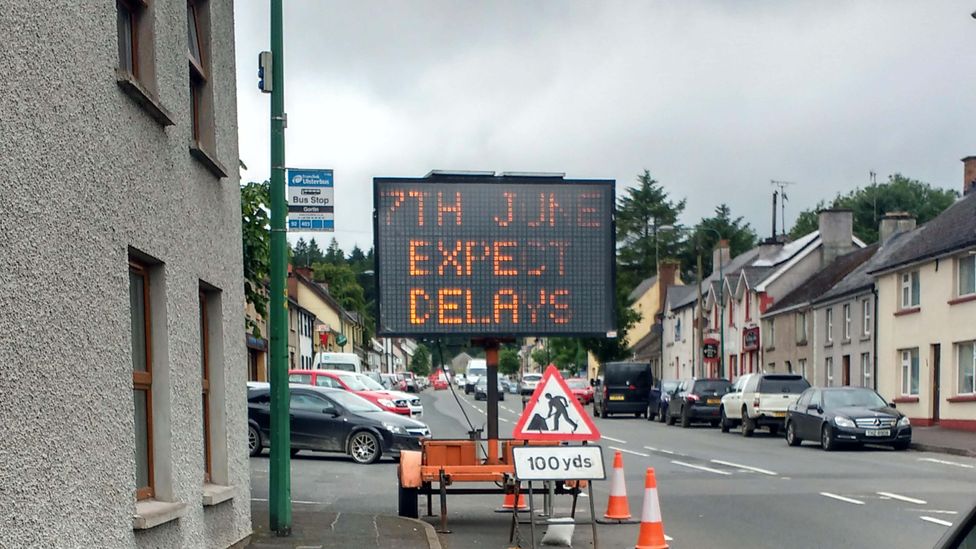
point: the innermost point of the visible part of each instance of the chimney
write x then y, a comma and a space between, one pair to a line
893, 223
968, 174
770, 247
304, 271
721, 250
836, 233
665, 277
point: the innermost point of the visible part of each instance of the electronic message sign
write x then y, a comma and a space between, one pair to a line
492, 256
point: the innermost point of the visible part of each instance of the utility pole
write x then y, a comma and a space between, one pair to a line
782, 200
699, 325
279, 494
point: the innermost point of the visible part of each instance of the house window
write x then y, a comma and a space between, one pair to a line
769, 327
205, 385
967, 275
966, 353
866, 317
677, 329
141, 378
803, 367
865, 369
909, 371
748, 311
829, 368
198, 41
909, 290
829, 325
731, 312
847, 321
801, 327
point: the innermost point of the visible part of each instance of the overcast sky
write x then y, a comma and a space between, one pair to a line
714, 98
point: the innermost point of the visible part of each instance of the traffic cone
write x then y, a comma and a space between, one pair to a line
617, 507
651, 534
508, 504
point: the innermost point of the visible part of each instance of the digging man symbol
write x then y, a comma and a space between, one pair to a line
558, 407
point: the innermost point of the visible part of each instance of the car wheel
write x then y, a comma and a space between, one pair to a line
902, 445
827, 439
724, 422
791, 437
685, 419
670, 420
748, 427
253, 441
364, 448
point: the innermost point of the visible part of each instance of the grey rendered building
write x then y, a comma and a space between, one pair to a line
122, 367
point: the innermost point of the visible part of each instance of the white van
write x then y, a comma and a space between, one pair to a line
348, 362
477, 367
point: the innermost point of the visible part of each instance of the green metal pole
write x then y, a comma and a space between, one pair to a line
280, 479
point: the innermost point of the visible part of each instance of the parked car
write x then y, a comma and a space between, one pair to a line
698, 400
760, 400
390, 381
408, 382
333, 420
838, 415
581, 388
508, 385
622, 389
481, 389
528, 383
459, 380
657, 400
440, 384
477, 367
378, 378
390, 401
413, 401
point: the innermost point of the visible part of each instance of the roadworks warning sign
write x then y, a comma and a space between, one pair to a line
553, 413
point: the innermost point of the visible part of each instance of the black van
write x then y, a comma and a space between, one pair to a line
623, 389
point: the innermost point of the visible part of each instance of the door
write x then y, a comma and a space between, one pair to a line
936, 378
313, 423
846, 369
809, 424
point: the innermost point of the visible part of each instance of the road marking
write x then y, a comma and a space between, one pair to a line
614, 439
700, 467
842, 498
903, 498
503, 419
944, 462
936, 521
934, 511
651, 448
668, 538
626, 451
506, 409
746, 467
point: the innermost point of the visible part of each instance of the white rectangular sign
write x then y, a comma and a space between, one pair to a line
558, 463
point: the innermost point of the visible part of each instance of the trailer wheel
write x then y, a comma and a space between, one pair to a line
408, 502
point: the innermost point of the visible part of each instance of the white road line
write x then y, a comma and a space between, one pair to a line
506, 409
626, 451
934, 511
903, 498
700, 467
668, 538
842, 498
651, 448
944, 462
936, 521
746, 467
503, 419
614, 439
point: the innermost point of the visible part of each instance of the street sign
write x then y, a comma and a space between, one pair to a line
558, 463
710, 349
311, 200
750, 339
494, 256
553, 413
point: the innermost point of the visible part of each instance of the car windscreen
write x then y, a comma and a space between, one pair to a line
783, 384
353, 403
577, 383
712, 387
531, 377
354, 382
370, 383
852, 397
628, 374
477, 371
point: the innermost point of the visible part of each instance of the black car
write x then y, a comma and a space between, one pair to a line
698, 400
837, 415
481, 389
333, 420
657, 401
623, 389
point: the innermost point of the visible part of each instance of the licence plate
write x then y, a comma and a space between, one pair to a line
616, 397
713, 401
778, 414
878, 432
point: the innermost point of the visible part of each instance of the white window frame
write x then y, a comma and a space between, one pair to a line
909, 369
801, 327
910, 288
960, 390
803, 367
847, 321
866, 370
829, 324
829, 369
971, 258
865, 317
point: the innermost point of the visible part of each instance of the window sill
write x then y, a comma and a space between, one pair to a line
962, 398
845, 341
829, 343
208, 160
131, 86
150, 513
801, 343
866, 337
909, 311
905, 400
214, 494
770, 348
962, 299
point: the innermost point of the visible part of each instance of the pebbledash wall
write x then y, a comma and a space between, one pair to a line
89, 179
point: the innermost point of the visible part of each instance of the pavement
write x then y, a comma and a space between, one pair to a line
716, 490
946, 441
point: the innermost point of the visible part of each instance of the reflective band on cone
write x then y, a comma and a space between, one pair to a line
617, 506
652, 528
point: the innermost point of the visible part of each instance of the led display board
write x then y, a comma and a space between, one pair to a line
494, 256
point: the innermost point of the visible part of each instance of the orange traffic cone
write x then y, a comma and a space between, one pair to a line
508, 504
651, 534
618, 510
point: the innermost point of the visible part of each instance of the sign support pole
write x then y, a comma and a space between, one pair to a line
279, 493
491, 358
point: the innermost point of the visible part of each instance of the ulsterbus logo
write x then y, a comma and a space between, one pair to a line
297, 179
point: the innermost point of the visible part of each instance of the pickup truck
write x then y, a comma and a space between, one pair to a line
760, 400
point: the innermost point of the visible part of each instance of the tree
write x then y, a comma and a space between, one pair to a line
357, 259
342, 283
334, 253
508, 362
256, 236
420, 362
703, 240
314, 253
300, 256
639, 212
540, 357
568, 354
869, 204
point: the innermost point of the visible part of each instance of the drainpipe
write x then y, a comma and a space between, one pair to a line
874, 336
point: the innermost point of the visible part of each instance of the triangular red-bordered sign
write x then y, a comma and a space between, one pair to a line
554, 418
